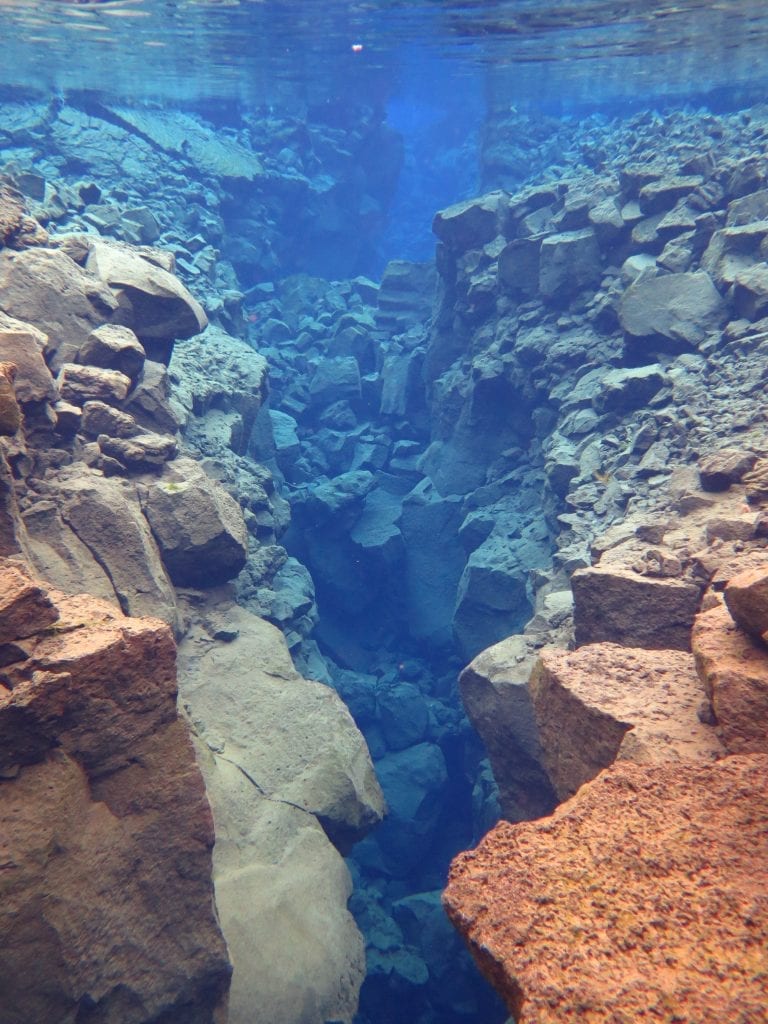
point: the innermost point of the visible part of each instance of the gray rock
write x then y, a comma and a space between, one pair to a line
569, 262
106, 517
198, 526
49, 290
153, 303
677, 311
335, 380
114, 348
470, 224
750, 292
519, 266
100, 418
625, 390
403, 716
496, 698
661, 195
732, 250
139, 452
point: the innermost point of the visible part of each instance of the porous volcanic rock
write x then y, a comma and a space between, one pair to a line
604, 703
734, 670
107, 911
642, 895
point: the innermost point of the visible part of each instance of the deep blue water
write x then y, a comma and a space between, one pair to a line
394, 105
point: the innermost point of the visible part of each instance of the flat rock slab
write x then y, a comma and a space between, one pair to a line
734, 670
605, 703
642, 898
621, 606
681, 308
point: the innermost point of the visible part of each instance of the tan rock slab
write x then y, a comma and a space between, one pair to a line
642, 898
734, 670
23, 345
746, 596
604, 703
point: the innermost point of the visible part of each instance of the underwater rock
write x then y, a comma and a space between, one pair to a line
47, 289
114, 348
552, 945
620, 606
282, 758
604, 703
746, 597
139, 452
198, 526
718, 470
733, 250
23, 345
97, 766
152, 302
496, 698
215, 372
470, 224
568, 262
675, 312
734, 669
80, 383
105, 515
10, 413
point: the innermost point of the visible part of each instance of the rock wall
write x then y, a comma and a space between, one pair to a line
633, 896
126, 478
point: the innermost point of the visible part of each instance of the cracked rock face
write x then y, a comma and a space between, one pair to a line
289, 776
105, 831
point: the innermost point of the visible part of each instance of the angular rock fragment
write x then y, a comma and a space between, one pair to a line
25, 607
746, 595
734, 670
721, 469
620, 606
139, 451
81, 383
198, 526
114, 348
23, 345
678, 310
100, 418
153, 303
569, 262
604, 703
10, 413
470, 224
642, 895
104, 817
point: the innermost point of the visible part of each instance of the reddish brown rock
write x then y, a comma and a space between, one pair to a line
642, 898
105, 831
734, 670
747, 598
604, 703
25, 607
620, 606
23, 345
719, 470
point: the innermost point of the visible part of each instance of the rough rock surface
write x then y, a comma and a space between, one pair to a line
621, 606
287, 770
734, 670
498, 703
105, 830
643, 894
604, 703
198, 527
746, 595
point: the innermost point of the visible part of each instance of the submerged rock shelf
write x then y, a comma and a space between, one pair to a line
549, 437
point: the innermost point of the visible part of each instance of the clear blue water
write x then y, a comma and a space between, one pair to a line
425, 80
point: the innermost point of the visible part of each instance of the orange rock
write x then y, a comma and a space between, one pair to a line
642, 898
105, 830
603, 703
734, 670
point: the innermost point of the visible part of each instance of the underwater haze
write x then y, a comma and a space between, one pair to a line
354, 191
